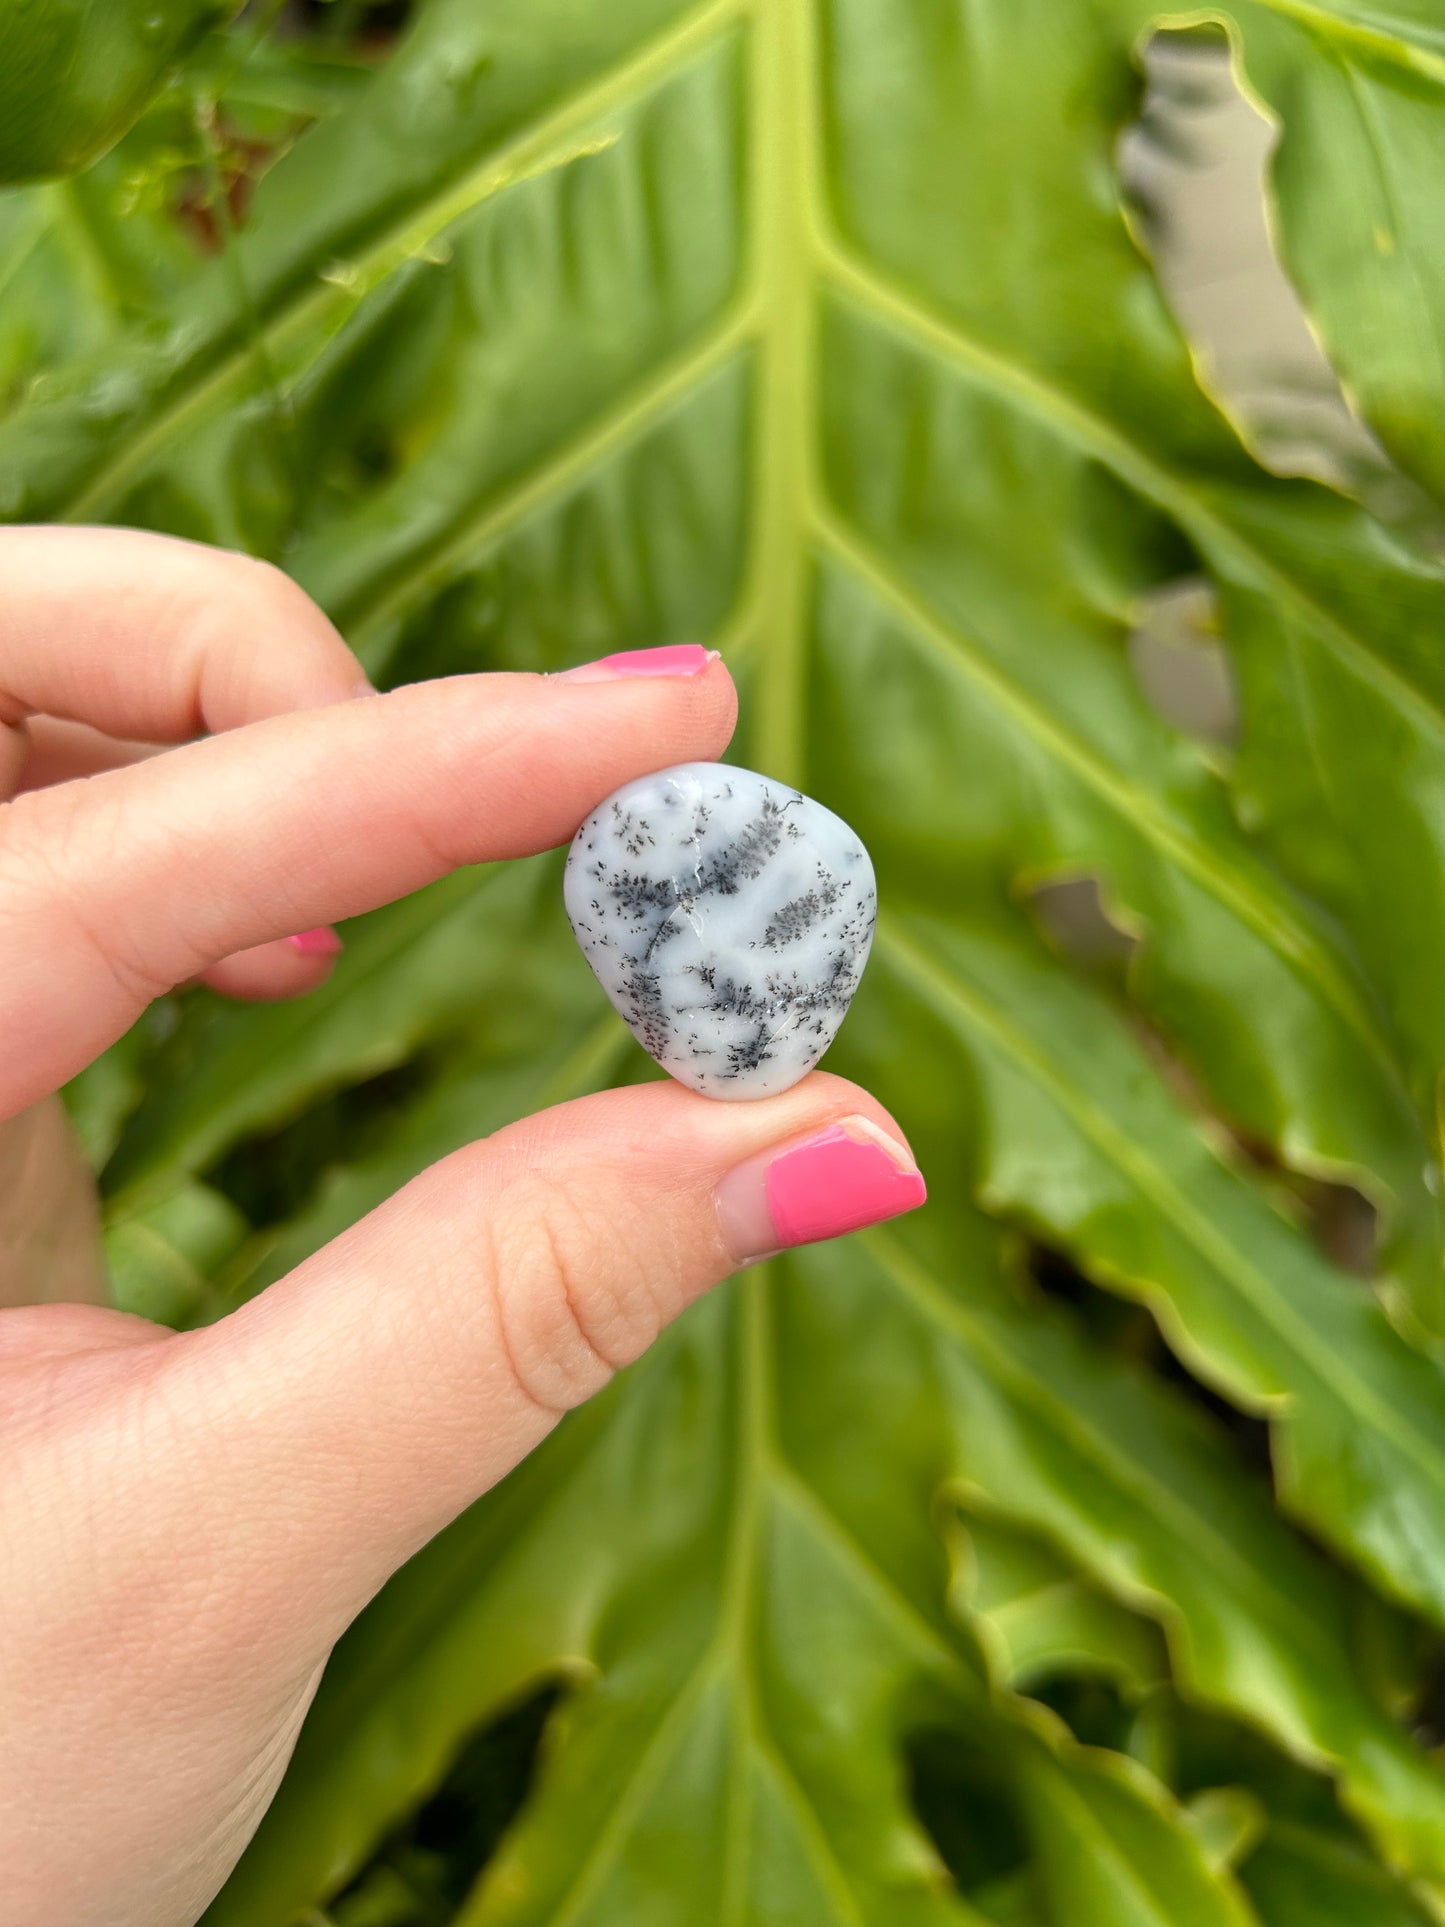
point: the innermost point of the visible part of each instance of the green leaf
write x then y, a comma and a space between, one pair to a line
411, 974
1362, 131
816, 329
1110, 1842
1113, 1849
1227, 1822
1088, 1146
1307, 1877
748, 1470
160, 1260
1038, 1616
74, 76
1142, 1498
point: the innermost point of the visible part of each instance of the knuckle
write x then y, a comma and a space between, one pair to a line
261, 600
38, 832
570, 1310
44, 872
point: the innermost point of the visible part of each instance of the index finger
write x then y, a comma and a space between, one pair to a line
115, 889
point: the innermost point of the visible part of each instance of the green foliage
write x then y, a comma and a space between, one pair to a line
74, 76
888, 1588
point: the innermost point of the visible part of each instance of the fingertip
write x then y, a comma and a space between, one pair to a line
723, 690
697, 684
320, 942
663, 1140
272, 972
314, 669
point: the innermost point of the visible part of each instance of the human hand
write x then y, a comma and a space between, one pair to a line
167, 1606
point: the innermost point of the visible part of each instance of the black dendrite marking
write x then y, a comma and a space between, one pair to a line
640, 898
664, 933
794, 919
745, 859
645, 1010
653, 901
751, 1054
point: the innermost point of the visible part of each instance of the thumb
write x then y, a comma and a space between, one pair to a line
368, 1398
204, 1514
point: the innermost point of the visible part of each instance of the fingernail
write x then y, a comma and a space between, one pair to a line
840, 1179
320, 942
674, 659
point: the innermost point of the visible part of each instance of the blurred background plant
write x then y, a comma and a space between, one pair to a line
1074, 1553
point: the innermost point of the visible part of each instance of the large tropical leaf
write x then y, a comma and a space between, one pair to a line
815, 328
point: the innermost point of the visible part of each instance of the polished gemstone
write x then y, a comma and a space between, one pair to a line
728, 918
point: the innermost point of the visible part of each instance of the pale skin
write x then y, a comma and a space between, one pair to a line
168, 1605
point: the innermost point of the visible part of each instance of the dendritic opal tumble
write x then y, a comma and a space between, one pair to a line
728, 918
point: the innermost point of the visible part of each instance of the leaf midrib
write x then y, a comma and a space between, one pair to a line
794, 242
622, 85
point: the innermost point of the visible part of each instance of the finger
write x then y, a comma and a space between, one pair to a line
226, 1501
64, 752
368, 1398
269, 972
60, 752
150, 637
115, 889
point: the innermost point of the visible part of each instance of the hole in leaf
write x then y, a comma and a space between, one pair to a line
1174, 1070
1428, 1723
1072, 915
962, 1803
1092, 1706
1125, 1328
424, 1869
368, 26
1180, 663
1345, 1224
272, 1177
1129, 1330
1194, 167
1340, 1219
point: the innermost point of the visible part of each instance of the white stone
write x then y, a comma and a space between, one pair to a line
728, 918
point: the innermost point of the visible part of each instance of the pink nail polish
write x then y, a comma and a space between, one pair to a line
320, 942
840, 1179
673, 659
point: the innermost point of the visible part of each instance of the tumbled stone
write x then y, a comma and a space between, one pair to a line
728, 918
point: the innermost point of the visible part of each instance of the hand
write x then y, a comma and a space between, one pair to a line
167, 1606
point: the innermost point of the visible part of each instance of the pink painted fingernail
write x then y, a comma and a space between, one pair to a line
673, 659
840, 1179
320, 942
